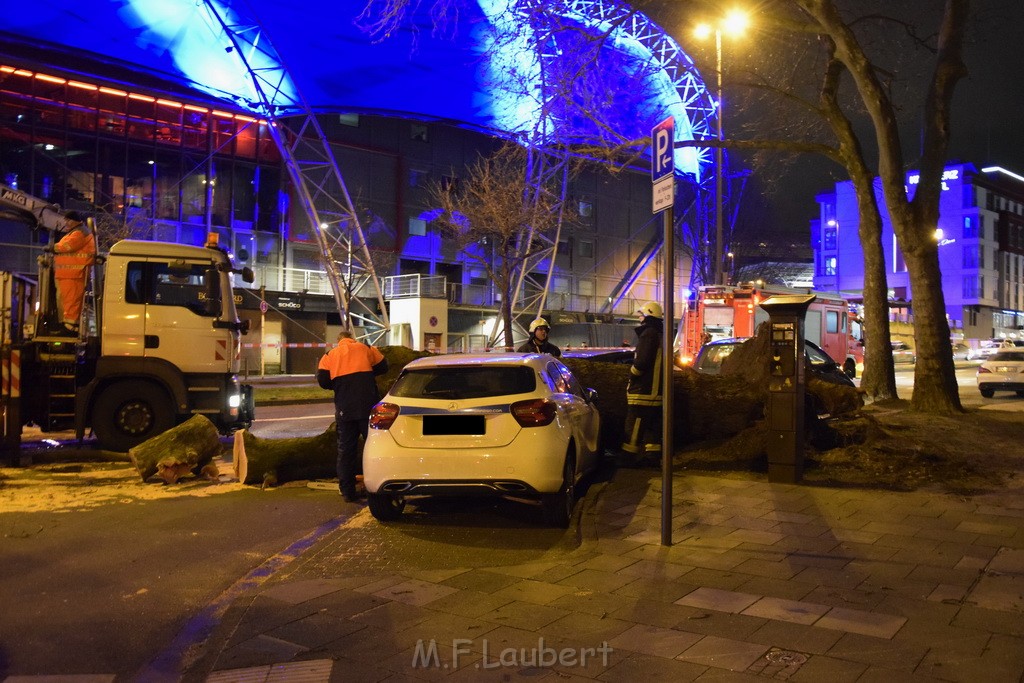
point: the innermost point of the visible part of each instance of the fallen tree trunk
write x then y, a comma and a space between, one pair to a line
271, 461
177, 452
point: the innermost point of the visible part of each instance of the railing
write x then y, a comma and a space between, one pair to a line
415, 285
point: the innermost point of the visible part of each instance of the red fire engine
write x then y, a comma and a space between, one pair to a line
725, 311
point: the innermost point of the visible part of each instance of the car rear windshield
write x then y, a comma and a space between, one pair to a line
463, 383
1014, 356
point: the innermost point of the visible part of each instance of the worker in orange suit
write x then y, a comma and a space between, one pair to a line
349, 369
75, 253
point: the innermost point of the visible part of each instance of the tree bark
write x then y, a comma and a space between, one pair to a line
272, 461
177, 452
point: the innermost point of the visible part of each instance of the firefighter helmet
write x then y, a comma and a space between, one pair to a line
653, 309
539, 322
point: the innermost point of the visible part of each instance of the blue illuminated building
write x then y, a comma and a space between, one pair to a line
981, 250
131, 110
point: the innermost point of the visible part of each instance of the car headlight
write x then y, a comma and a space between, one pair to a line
234, 400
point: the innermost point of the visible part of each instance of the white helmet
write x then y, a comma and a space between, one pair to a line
653, 309
539, 322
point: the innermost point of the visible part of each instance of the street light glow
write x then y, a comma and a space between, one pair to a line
702, 31
735, 22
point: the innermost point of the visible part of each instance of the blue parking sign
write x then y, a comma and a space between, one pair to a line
663, 154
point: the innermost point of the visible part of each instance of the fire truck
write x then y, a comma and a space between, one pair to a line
159, 342
726, 311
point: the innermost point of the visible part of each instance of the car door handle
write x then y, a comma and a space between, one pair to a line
152, 341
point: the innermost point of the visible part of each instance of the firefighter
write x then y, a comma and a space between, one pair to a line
644, 391
538, 341
75, 253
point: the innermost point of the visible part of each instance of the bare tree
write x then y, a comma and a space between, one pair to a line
487, 211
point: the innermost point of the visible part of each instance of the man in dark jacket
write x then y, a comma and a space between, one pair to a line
644, 391
349, 369
538, 341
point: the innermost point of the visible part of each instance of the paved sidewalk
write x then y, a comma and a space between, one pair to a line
763, 581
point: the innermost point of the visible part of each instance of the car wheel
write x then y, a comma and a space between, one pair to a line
988, 393
128, 413
850, 368
558, 506
385, 507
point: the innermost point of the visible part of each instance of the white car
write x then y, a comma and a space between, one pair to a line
500, 424
1002, 371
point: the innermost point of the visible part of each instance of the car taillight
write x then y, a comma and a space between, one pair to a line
982, 369
383, 415
536, 412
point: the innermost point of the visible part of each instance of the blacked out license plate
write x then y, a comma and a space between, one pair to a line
446, 425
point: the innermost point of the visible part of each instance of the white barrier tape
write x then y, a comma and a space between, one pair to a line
286, 346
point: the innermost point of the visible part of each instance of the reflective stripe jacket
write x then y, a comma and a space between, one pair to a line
349, 369
644, 388
75, 252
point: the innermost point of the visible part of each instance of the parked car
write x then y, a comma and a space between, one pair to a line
1002, 371
989, 347
497, 424
961, 351
709, 360
622, 356
902, 353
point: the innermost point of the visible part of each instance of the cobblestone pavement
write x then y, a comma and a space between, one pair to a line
762, 581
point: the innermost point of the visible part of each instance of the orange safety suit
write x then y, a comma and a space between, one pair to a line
75, 253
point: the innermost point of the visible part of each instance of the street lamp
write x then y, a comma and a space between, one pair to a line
732, 267
733, 23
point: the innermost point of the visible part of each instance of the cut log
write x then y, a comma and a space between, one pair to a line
177, 452
275, 461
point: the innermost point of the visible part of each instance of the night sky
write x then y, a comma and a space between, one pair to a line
988, 126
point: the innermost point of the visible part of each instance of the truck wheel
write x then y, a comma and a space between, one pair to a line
850, 368
128, 413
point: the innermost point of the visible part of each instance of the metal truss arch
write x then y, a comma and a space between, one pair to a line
311, 165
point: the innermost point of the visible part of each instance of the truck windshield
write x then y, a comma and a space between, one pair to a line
160, 284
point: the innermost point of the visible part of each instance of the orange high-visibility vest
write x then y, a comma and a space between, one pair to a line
76, 251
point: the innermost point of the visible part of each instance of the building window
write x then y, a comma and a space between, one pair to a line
418, 132
564, 248
560, 284
586, 209
829, 265
970, 290
586, 248
970, 227
349, 120
417, 177
971, 256
417, 226
828, 239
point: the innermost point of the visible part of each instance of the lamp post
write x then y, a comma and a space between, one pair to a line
733, 23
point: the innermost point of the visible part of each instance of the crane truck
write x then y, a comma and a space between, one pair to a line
160, 342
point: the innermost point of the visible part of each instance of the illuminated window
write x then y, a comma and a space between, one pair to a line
349, 120
828, 239
586, 209
828, 265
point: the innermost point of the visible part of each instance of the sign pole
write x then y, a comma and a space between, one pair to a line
663, 191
